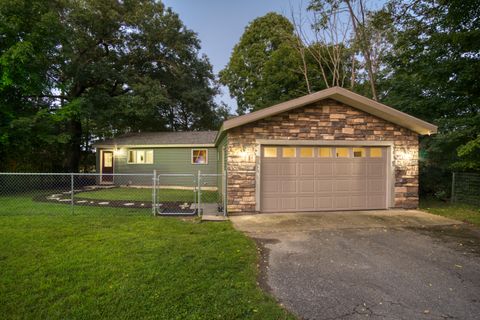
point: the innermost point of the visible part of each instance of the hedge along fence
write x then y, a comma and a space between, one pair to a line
466, 188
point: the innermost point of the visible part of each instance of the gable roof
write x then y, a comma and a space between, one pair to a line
342, 95
162, 139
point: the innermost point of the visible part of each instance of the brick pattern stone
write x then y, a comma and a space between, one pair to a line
323, 120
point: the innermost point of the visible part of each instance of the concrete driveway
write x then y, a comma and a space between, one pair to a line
369, 264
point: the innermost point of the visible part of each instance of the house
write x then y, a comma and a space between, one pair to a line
166, 152
330, 150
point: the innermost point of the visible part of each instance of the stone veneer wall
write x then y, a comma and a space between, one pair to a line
323, 120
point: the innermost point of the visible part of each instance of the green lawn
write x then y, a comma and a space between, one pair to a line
115, 263
460, 212
145, 194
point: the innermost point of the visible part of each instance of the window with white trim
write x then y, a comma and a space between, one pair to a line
136, 156
199, 156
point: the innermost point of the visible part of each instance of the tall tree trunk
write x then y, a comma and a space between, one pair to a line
358, 29
75, 144
352, 79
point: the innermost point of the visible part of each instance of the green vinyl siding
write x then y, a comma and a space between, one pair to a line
166, 161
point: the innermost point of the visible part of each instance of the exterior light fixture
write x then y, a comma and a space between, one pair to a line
118, 151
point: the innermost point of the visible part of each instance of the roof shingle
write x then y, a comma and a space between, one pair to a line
162, 138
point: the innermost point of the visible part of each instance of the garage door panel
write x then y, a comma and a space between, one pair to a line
288, 186
270, 186
358, 201
376, 170
288, 169
306, 203
376, 201
376, 185
288, 203
324, 203
324, 169
270, 204
341, 202
341, 185
306, 186
358, 185
359, 168
325, 186
342, 168
306, 169
322, 182
271, 169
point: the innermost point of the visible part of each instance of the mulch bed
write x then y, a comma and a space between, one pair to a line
172, 207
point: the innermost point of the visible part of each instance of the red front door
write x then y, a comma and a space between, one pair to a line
107, 166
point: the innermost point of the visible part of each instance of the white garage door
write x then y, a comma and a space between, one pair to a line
323, 178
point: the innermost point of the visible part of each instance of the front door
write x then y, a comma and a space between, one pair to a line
107, 166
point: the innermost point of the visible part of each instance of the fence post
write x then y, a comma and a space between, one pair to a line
452, 196
199, 193
224, 184
71, 192
154, 192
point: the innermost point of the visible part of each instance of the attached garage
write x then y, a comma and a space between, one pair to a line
319, 178
330, 150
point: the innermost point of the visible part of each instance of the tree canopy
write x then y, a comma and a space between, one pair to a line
260, 60
421, 57
74, 71
432, 72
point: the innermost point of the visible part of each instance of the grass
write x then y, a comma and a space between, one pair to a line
462, 212
118, 263
145, 194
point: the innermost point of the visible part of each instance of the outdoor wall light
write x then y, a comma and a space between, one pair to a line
119, 151
245, 153
405, 155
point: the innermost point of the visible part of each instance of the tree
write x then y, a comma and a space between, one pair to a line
79, 70
432, 73
358, 14
264, 68
325, 41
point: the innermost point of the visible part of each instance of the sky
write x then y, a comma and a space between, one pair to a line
220, 24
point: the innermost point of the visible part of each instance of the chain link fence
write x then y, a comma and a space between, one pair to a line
188, 194
466, 188
75, 193
147, 193
212, 194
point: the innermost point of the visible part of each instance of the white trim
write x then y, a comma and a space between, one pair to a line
223, 159
143, 146
258, 176
145, 155
101, 164
334, 143
391, 176
198, 149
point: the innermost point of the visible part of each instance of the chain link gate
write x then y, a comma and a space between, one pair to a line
189, 194
175, 194
211, 197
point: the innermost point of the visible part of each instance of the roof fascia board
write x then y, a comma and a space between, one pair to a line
277, 109
342, 95
204, 145
385, 112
